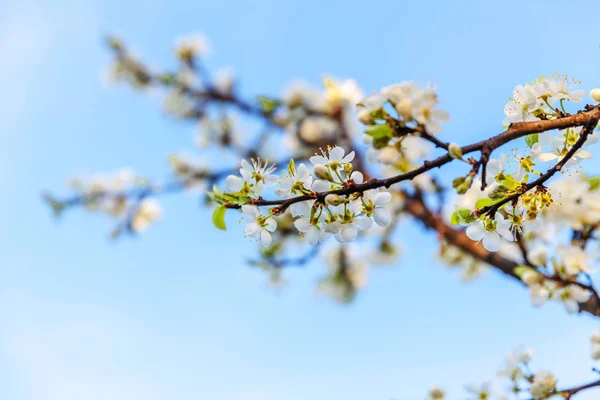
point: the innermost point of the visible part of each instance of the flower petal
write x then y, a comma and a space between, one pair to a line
251, 212
476, 231
234, 183
491, 241
265, 238
349, 233
382, 198
363, 223
303, 225
336, 154
382, 217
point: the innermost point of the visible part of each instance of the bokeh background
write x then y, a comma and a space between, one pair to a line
176, 313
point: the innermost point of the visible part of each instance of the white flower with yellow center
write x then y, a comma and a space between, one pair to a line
489, 231
258, 226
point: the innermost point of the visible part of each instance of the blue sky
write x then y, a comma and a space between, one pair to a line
176, 313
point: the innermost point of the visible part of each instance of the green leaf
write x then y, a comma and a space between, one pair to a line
268, 105
463, 216
509, 182
379, 131
595, 183
531, 139
521, 269
380, 143
455, 219
218, 218
484, 203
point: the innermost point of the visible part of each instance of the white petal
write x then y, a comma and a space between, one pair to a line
336, 154
348, 158
271, 224
491, 241
476, 231
252, 229
316, 160
334, 227
382, 217
349, 233
303, 225
312, 236
572, 306
363, 223
271, 180
382, 198
357, 177
265, 238
234, 183
301, 208
547, 157
251, 212
581, 153
320, 186
506, 234
246, 166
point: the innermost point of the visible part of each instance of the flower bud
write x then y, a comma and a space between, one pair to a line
322, 172
455, 151
348, 169
365, 117
538, 256
531, 277
595, 95
458, 181
333, 200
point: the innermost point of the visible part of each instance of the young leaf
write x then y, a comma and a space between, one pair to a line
531, 139
379, 131
218, 218
268, 105
484, 203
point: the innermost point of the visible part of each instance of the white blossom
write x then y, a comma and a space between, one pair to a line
334, 158
572, 295
543, 384
595, 340
521, 108
489, 231
254, 177
258, 226
146, 213
295, 182
195, 45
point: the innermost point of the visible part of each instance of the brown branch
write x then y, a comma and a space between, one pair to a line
417, 208
588, 118
567, 394
588, 130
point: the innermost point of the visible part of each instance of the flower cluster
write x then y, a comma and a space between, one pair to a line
556, 278
539, 385
509, 176
538, 99
595, 339
320, 215
436, 393
108, 194
394, 118
189, 47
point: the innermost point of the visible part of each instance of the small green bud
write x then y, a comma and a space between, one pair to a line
348, 169
458, 181
322, 172
455, 151
334, 200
